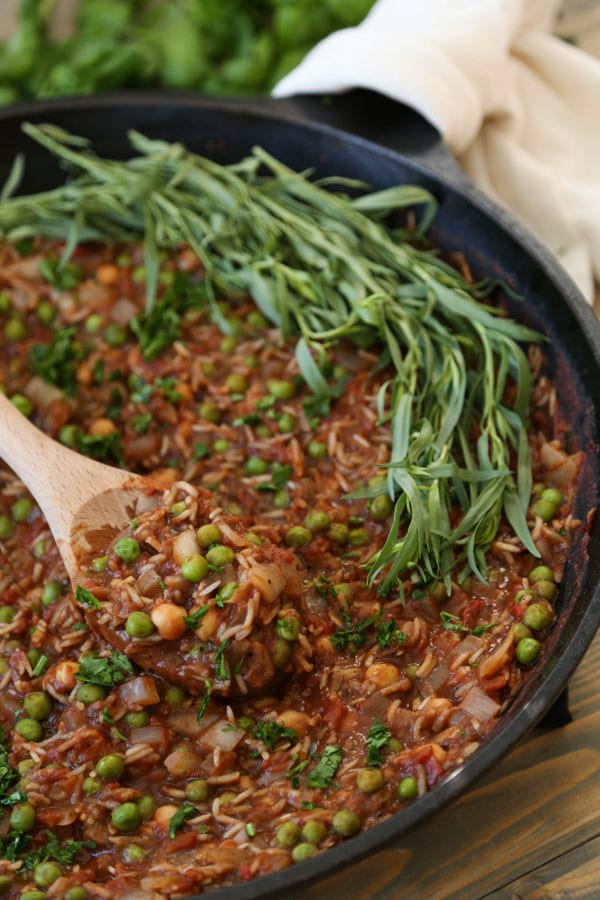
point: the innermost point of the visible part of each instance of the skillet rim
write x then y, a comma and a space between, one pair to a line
549, 681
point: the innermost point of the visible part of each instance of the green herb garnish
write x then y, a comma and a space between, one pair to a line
86, 598
193, 620
105, 670
56, 362
271, 733
377, 741
354, 635
280, 475
388, 633
324, 772
221, 668
186, 811
103, 447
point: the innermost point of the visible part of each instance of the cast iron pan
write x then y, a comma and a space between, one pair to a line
364, 136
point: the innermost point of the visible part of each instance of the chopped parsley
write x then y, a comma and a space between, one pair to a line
378, 739
10, 793
56, 362
296, 770
193, 620
271, 733
142, 423
221, 668
86, 598
205, 698
103, 447
105, 670
39, 666
453, 623
64, 276
201, 451
140, 391
388, 633
354, 635
324, 772
186, 811
13, 847
280, 475
169, 388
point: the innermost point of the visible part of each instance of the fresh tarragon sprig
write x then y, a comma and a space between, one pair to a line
322, 264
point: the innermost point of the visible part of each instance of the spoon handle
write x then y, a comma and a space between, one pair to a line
60, 480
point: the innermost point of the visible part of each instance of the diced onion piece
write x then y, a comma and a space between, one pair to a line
149, 583
185, 545
222, 735
561, 468
268, 580
185, 722
140, 691
41, 393
477, 703
468, 645
148, 734
123, 311
438, 676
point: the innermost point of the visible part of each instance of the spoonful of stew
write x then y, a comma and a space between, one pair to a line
166, 578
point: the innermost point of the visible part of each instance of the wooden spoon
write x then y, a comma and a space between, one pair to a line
84, 502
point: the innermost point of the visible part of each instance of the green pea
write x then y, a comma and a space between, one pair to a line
115, 335
394, 745
256, 466
91, 785
546, 589
195, 568
34, 655
281, 653
317, 521
25, 766
287, 423
220, 556
527, 651
236, 383
146, 805
297, 536
541, 573
252, 362
5, 302
228, 590
7, 614
256, 319
281, 390
33, 895
22, 817
174, 696
21, 509
317, 450
221, 445
544, 509
281, 499
110, 767
3, 667
139, 624
538, 616
77, 892
128, 549
69, 434
228, 343
51, 592
15, 330
208, 534
287, 835
91, 693
210, 412
5, 880
37, 705
197, 790
46, 873
29, 729
358, 537
381, 507
303, 851
552, 495
253, 538
314, 831
339, 532
22, 403
346, 822
126, 817
209, 369
263, 431
94, 323
6, 528
408, 788
134, 853
369, 780
288, 628
246, 723
138, 719
177, 508
99, 564
138, 274
520, 631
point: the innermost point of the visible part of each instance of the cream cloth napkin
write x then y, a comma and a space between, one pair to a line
518, 107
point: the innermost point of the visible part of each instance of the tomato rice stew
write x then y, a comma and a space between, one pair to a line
237, 683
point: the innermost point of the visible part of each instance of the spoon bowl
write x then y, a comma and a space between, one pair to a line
85, 502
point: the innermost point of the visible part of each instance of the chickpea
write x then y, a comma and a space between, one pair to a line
102, 427
107, 273
183, 762
382, 674
168, 620
209, 624
298, 721
163, 814
62, 676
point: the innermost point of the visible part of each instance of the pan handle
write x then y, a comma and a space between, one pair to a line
381, 120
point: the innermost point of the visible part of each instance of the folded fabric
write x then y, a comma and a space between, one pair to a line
517, 106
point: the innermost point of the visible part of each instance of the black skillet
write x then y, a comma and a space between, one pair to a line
365, 136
